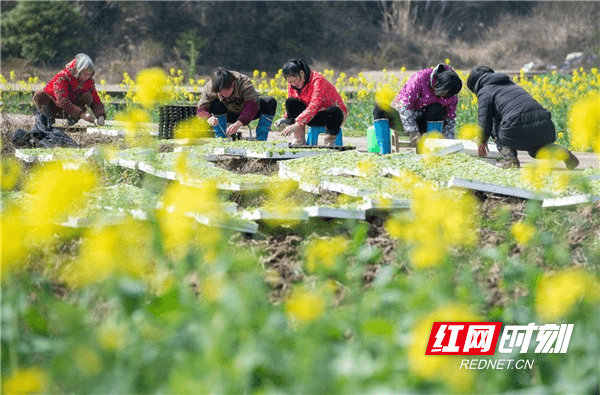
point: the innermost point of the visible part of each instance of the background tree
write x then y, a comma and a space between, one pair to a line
44, 32
188, 47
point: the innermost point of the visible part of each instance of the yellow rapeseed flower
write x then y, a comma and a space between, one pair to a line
537, 173
13, 236
325, 253
112, 336
584, 123
122, 249
439, 219
214, 287
137, 126
470, 132
557, 294
55, 193
305, 306
152, 88
177, 227
10, 173
31, 380
192, 128
384, 97
523, 232
445, 368
87, 361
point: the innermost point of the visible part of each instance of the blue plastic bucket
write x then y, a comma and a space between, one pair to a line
435, 126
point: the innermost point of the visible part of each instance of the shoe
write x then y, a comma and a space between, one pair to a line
509, 164
571, 162
330, 140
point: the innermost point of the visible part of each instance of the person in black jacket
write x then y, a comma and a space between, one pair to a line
513, 119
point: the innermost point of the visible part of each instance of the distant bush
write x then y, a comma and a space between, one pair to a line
42, 32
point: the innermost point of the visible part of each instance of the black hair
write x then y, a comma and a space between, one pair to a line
293, 67
221, 79
447, 83
475, 74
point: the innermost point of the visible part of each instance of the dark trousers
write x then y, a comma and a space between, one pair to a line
332, 118
41, 99
266, 106
434, 113
391, 115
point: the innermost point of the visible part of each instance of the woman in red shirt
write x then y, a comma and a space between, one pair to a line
69, 93
312, 101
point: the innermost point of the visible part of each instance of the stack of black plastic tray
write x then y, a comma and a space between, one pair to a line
169, 116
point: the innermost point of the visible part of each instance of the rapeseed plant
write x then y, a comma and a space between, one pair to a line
584, 123
123, 249
136, 122
31, 380
14, 234
112, 336
325, 254
444, 368
279, 202
193, 128
10, 173
54, 194
87, 361
438, 220
179, 204
384, 97
523, 232
152, 88
470, 132
557, 294
305, 306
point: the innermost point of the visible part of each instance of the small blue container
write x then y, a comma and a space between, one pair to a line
435, 126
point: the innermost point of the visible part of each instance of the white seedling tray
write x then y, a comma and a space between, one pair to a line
345, 189
230, 151
166, 174
107, 131
124, 162
383, 204
492, 188
470, 148
284, 155
262, 214
569, 201
335, 212
246, 227
443, 146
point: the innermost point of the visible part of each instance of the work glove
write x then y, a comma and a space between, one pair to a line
101, 120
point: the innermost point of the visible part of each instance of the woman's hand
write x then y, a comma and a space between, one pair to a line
482, 150
233, 128
88, 117
212, 121
292, 129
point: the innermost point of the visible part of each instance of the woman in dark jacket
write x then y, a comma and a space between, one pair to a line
512, 118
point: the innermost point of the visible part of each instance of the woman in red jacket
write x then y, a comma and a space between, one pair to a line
312, 101
69, 93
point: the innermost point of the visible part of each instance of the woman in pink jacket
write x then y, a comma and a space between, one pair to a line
312, 101
69, 93
428, 95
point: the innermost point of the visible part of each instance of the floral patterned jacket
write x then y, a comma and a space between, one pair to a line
318, 94
417, 94
63, 88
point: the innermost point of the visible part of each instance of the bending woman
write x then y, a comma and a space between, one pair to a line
312, 101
